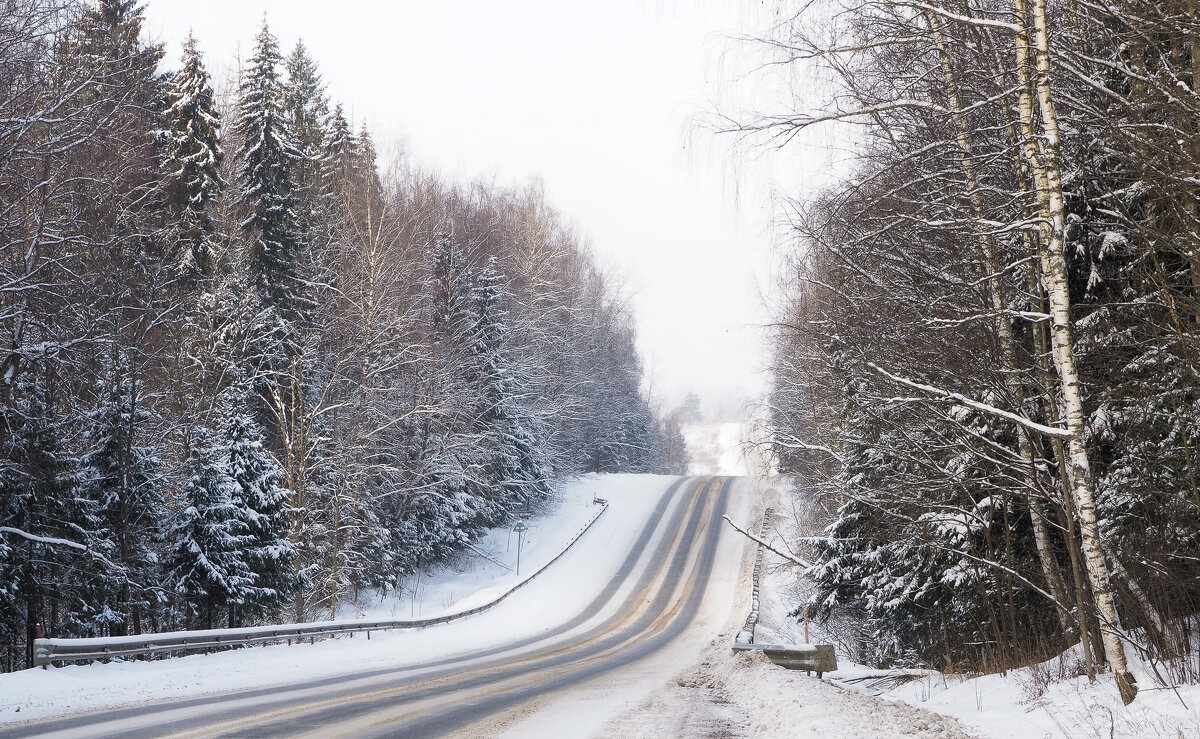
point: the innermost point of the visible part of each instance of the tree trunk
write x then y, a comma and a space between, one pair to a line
1042, 155
994, 263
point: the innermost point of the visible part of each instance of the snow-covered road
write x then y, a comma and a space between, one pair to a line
626, 634
618, 608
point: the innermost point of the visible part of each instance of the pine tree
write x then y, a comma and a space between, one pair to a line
514, 438
191, 161
210, 540
263, 503
268, 155
121, 478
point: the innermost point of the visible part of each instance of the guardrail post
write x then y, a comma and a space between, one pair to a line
43, 653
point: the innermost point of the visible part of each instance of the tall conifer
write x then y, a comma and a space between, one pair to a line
191, 161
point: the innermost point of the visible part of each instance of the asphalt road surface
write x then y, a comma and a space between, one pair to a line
654, 597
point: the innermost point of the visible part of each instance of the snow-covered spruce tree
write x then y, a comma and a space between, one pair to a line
267, 194
190, 147
453, 435
368, 158
263, 504
624, 432
338, 149
339, 165
675, 457
354, 550
283, 346
439, 514
307, 108
44, 580
447, 503
117, 162
210, 538
912, 558
513, 438
120, 476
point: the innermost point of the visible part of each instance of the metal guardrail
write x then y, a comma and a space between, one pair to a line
818, 658
48, 651
746, 635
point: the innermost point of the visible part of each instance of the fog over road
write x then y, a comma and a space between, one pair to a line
670, 595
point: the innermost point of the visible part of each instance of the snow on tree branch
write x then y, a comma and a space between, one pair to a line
975, 404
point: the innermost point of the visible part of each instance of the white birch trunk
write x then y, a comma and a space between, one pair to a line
994, 262
1042, 154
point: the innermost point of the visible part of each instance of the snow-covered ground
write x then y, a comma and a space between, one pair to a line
695, 686
741, 694
489, 568
550, 599
1052, 701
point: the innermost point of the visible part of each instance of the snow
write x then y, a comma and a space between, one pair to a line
1050, 700
1053, 700
695, 686
717, 448
476, 578
548, 600
42, 539
743, 694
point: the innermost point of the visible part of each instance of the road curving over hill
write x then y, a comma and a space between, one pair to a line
654, 597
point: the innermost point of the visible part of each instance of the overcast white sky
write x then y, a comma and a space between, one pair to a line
599, 99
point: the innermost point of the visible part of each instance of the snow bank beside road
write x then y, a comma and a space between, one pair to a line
1050, 701
488, 570
788, 703
742, 694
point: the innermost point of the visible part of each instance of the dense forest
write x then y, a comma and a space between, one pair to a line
986, 364
252, 370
